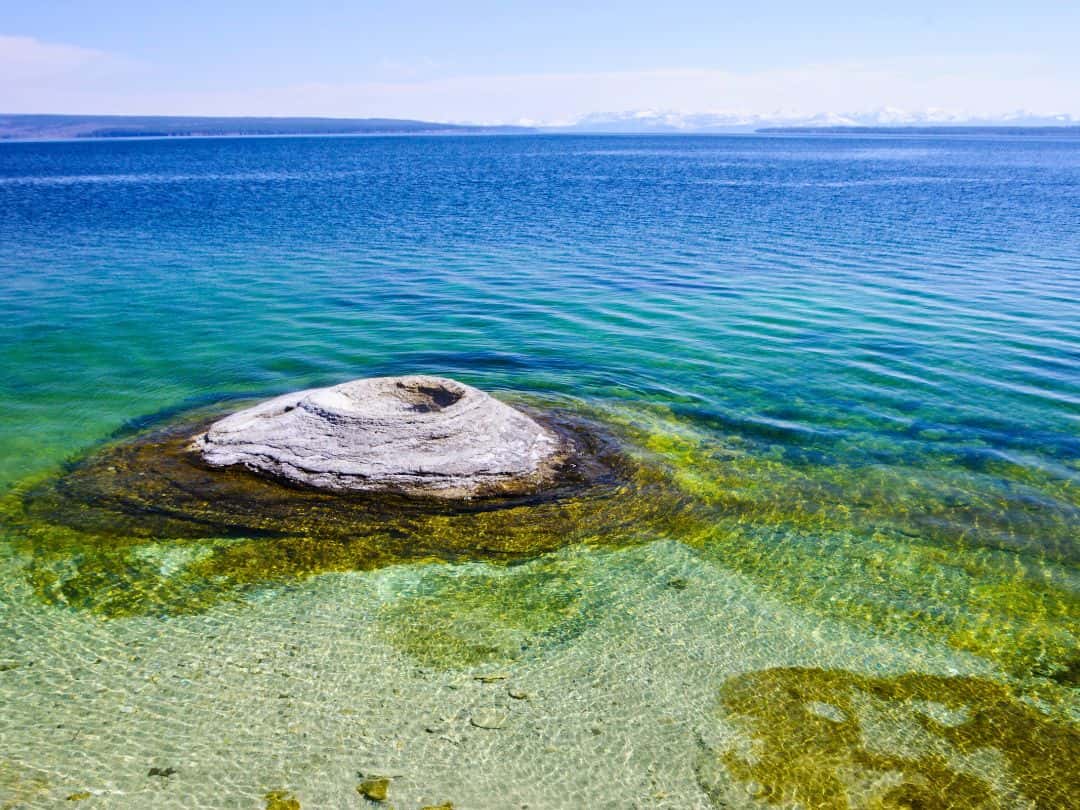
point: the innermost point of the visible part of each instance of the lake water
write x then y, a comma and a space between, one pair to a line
847, 370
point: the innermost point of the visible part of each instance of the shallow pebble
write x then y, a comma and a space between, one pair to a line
489, 718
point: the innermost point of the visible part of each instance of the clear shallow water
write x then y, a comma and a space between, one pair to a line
854, 364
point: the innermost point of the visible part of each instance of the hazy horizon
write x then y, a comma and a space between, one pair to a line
50, 126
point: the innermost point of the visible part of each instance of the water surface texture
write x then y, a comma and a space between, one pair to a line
841, 570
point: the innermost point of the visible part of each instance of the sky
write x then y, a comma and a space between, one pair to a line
551, 62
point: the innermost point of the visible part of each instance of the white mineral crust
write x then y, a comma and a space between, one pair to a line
418, 435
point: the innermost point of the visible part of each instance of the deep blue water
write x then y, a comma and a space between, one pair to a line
908, 283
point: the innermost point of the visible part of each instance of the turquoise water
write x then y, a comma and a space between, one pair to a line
850, 367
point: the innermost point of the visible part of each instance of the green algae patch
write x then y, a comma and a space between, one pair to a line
465, 616
935, 497
21, 786
834, 740
142, 526
1024, 616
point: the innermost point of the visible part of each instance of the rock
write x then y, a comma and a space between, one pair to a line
164, 495
414, 435
374, 789
490, 718
281, 800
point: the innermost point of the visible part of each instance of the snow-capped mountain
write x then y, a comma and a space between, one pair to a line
730, 121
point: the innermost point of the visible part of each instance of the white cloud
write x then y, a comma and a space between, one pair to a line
37, 76
25, 60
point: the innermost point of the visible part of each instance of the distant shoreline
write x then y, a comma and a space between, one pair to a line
70, 127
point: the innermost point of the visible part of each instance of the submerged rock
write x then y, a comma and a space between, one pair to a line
489, 717
145, 524
281, 800
413, 435
375, 789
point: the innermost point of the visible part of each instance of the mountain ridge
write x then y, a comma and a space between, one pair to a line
674, 121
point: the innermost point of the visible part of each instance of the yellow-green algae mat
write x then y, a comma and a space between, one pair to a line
136, 528
832, 739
